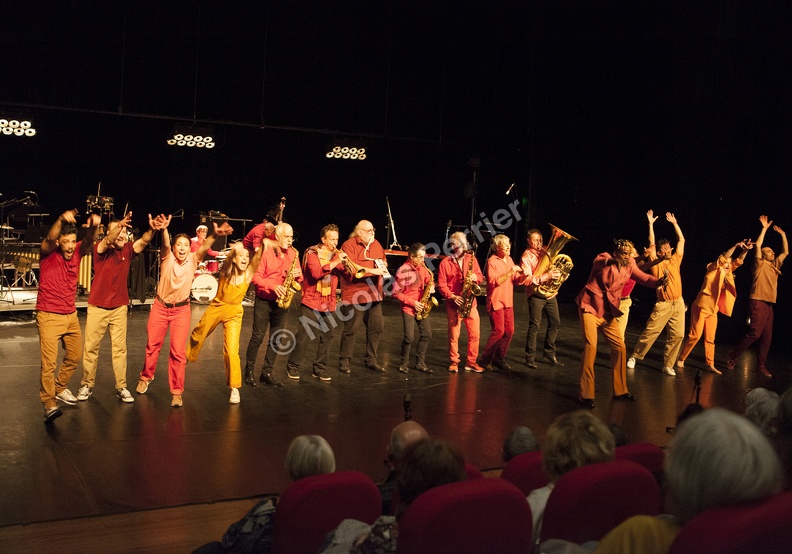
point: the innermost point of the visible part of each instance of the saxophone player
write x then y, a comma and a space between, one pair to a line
277, 260
537, 305
414, 283
459, 267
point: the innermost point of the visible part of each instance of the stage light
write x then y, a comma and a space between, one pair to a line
190, 136
346, 149
17, 126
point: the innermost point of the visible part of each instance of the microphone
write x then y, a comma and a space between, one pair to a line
510, 189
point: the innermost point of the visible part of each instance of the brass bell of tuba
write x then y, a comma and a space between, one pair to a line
552, 259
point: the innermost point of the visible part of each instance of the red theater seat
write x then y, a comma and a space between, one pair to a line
311, 507
589, 501
647, 454
526, 472
474, 516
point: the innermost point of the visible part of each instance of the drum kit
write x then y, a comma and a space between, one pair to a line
205, 281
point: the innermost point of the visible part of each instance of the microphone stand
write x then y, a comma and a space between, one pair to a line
391, 228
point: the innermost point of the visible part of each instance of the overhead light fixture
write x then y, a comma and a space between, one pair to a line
191, 137
346, 149
17, 126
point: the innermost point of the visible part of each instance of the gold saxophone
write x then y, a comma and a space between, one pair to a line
427, 299
291, 285
554, 260
470, 290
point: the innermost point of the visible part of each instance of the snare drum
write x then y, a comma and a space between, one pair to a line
204, 288
212, 266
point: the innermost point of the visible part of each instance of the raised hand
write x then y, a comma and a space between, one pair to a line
778, 230
70, 216
126, 221
765, 221
671, 218
222, 230
94, 220
651, 216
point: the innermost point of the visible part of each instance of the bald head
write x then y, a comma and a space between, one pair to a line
404, 435
365, 230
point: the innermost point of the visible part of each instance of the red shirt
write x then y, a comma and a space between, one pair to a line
602, 293
111, 269
314, 272
530, 261
196, 243
368, 289
58, 277
272, 271
411, 280
500, 296
451, 276
253, 239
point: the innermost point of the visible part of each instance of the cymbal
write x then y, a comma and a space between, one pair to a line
6, 227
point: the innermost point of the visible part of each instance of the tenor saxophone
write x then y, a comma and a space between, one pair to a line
290, 284
470, 290
427, 299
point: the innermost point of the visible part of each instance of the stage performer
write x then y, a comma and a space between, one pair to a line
412, 280
322, 266
273, 269
264, 230
171, 308
108, 303
669, 310
502, 274
764, 291
598, 308
362, 297
197, 241
717, 294
226, 308
538, 305
451, 274
56, 309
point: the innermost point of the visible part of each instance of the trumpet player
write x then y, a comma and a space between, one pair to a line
278, 260
538, 305
322, 266
414, 283
362, 296
460, 265
502, 274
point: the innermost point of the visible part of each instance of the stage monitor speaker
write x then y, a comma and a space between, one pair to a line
207, 219
36, 233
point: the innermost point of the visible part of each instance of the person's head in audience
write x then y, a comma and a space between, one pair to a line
574, 440
719, 458
618, 435
403, 436
428, 464
761, 407
309, 455
782, 434
519, 441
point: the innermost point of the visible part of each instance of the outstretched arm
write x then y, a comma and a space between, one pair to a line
155, 224
218, 231
766, 223
680, 247
254, 262
783, 254
652, 218
166, 242
51, 240
90, 237
114, 233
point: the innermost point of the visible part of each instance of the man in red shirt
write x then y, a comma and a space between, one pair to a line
362, 297
322, 265
276, 262
108, 302
56, 309
412, 280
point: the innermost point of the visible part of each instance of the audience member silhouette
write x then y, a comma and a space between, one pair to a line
403, 436
519, 441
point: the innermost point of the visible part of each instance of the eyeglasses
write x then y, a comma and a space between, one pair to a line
372, 230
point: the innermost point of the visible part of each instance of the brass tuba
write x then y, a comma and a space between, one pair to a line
291, 285
552, 259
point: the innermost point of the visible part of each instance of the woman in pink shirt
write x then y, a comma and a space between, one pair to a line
502, 273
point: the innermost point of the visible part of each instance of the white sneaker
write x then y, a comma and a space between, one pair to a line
234, 397
669, 371
631, 363
66, 397
84, 393
124, 395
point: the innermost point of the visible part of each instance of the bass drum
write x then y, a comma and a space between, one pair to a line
204, 288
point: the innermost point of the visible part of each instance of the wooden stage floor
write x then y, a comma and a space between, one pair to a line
103, 457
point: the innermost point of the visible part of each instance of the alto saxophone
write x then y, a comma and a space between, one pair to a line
470, 290
290, 284
427, 300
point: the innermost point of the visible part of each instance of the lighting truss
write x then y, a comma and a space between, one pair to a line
17, 126
346, 149
191, 137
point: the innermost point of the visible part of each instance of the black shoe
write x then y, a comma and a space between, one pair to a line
422, 368
404, 368
320, 374
374, 366
626, 396
250, 379
268, 379
293, 374
552, 360
343, 367
587, 402
502, 365
530, 363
